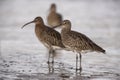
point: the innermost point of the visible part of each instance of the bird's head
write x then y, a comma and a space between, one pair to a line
37, 20
66, 24
53, 7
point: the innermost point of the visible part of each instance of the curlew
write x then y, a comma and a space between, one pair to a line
77, 42
54, 19
48, 36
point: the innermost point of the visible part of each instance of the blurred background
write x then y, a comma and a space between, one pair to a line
23, 57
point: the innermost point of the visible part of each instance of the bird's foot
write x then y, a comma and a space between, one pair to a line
48, 62
52, 62
80, 69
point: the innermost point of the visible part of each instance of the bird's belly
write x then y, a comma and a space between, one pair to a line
40, 38
56, 47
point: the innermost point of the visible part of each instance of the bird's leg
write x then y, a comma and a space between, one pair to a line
49, 55
76, 62
49, 68
53, 52
52, 67
80, 56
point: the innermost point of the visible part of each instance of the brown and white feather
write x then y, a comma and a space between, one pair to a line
78, 41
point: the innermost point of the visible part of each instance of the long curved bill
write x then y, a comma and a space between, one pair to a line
57, 26
27, 24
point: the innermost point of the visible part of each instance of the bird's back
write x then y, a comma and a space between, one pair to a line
49, 36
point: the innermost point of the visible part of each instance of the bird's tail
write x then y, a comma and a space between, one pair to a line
99, 49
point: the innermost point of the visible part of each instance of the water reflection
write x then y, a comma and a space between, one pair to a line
51, 68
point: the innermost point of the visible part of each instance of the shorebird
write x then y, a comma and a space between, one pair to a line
77, 42
54, 19
48, 36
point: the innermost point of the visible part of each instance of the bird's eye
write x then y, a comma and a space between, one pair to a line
64, 22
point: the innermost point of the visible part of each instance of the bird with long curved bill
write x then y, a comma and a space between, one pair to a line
77, 42
48, 36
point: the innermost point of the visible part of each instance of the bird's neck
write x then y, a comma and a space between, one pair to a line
65, 30
65, 33
39, 27
53, 11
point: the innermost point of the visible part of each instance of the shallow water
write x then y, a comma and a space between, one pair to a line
23, 57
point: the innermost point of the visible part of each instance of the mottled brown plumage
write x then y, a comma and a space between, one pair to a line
77, 42
54, 19
48, 36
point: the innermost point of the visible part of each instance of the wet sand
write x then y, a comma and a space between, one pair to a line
23, 57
